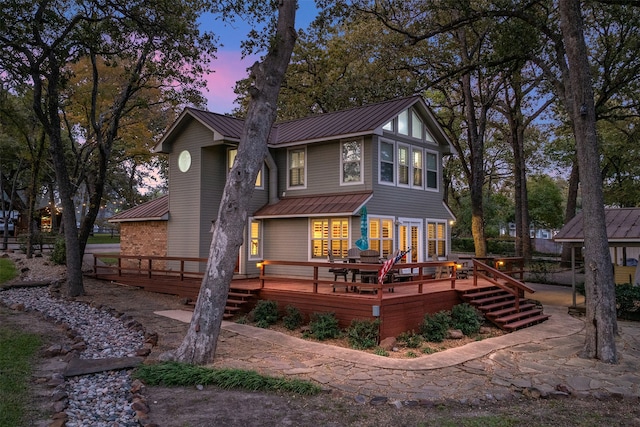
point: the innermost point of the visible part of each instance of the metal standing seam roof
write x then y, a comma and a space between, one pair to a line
334, 204
153, 210
623, 226
361, 120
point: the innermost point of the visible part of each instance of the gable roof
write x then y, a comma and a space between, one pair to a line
623, 227
358, 121
347, 204
153, 210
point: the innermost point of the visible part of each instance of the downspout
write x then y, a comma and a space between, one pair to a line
273, 179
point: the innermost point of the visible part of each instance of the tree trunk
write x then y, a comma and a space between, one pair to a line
601, 324
570, 211
199, 345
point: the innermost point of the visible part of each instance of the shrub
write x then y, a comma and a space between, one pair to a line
324, 326
434, 326
379, 351
410, 339
466, 318
627, 301
293, 319
265, 313
59, 252
363, 334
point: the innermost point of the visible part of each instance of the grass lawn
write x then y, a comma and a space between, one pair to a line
17, 350
7, 270
104, 238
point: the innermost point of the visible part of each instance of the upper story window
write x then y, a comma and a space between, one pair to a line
387, 162
403, 165
416, 126
231, 157
417, 168
403, 123
297, 170
351, 160
388, 126
432, 170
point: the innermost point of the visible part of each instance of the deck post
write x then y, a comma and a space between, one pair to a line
315, 279
95, 264
119, 266
261, 266
149, 275
181, 269
453, 276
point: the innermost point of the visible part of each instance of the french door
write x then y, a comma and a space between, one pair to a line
410, 236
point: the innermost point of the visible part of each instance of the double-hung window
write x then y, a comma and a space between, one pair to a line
387, 162
417, 168
381, 235
351, 160
297, 168
432, 170
255, 239
329, 234
404, 165
436, 239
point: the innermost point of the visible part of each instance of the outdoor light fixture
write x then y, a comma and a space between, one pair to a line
259, 264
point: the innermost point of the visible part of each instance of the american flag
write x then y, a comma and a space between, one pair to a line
390, 263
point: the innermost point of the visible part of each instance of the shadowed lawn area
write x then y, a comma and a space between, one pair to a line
7, 270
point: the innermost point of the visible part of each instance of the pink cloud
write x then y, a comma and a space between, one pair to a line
229, 68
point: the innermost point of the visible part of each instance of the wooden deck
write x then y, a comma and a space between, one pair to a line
400, 309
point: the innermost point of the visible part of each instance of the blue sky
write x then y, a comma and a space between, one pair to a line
229, 66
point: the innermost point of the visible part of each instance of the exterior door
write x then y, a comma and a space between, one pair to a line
410, 236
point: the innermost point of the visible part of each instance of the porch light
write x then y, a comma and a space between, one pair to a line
458, 266
451, 222
500, 263
259, 264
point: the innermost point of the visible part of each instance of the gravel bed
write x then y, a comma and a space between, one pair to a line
102, 399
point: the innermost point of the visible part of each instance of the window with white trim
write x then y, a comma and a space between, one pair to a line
387, 162
416, 126
432, 170
436, 239
403, 123
297, 170
231, 157
417, 164
404, 164
255, 239
388, 126
329, 234
351, 158
381, 235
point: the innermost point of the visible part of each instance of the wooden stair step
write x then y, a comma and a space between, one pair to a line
508, 310
479, 294
519, 315
240, 295
492, 299
232, 309
499, 304
232, 301
525, 322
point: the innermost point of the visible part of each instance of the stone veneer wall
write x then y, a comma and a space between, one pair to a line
145, 238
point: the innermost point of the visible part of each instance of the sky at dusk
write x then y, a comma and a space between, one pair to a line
229, 66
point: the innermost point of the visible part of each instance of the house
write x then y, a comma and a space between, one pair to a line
369, 176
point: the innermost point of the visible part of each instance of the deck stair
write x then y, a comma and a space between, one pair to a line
499, 307
239, 301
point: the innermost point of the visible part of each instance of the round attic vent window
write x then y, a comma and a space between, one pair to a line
184, 161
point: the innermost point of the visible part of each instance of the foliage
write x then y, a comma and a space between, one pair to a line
173, 374
494, 246
429, 350
466, 318
103, 238
293, 318
410, 339
539, 271
434, 326
379, 351
363, 334
17, 350
7, 270
324, 326
265, 313
545, 202
628, 301
59, 253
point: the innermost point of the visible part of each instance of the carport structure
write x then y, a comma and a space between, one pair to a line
623, 234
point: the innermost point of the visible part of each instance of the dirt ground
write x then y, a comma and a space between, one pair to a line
189, 407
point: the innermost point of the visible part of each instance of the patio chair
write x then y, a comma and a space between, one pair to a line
338, 271
353, 254
369, 256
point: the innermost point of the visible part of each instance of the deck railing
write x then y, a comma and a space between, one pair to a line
493, 275
148, 265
